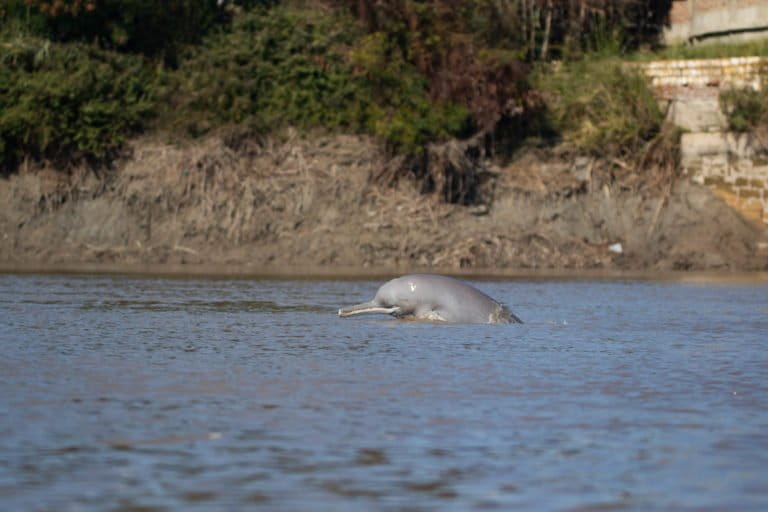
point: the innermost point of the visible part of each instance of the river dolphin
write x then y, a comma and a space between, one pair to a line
436, 298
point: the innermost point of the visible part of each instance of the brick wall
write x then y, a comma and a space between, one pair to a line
734, 166
698, 73
689, 90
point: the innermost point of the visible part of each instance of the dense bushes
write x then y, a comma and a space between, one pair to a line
478, 53
307, 68
599, 105
410, 73
145, 27
533, 29
604, 107
746, 109
68, 102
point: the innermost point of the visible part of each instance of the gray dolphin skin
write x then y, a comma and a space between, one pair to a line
436, 298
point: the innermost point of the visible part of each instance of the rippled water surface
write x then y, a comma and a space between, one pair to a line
127, 393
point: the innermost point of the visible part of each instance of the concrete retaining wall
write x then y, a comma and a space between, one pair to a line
700, 20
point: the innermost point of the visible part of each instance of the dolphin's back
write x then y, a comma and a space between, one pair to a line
455, 300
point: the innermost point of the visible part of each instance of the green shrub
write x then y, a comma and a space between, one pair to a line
599, 105
20, 17
402, 112
746, 109
68, 102
306, 68
147, 27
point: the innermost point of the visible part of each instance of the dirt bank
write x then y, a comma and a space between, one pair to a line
310, 202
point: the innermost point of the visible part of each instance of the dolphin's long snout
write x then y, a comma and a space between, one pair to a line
365, 307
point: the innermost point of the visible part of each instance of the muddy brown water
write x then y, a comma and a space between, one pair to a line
149, 393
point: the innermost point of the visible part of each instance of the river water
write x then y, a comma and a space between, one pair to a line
150, 394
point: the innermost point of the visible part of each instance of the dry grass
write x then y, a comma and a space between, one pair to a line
236, 196
450, 171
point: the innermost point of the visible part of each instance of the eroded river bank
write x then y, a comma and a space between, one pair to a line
312, 204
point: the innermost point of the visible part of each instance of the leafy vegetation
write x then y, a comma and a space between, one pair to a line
77, 77
599, 105
746, 109
68, 101
532, 29
283, 66
129, 26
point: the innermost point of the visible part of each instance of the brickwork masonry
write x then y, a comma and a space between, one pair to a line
733, 165
670, 75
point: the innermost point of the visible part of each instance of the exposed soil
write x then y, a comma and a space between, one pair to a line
312, 202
